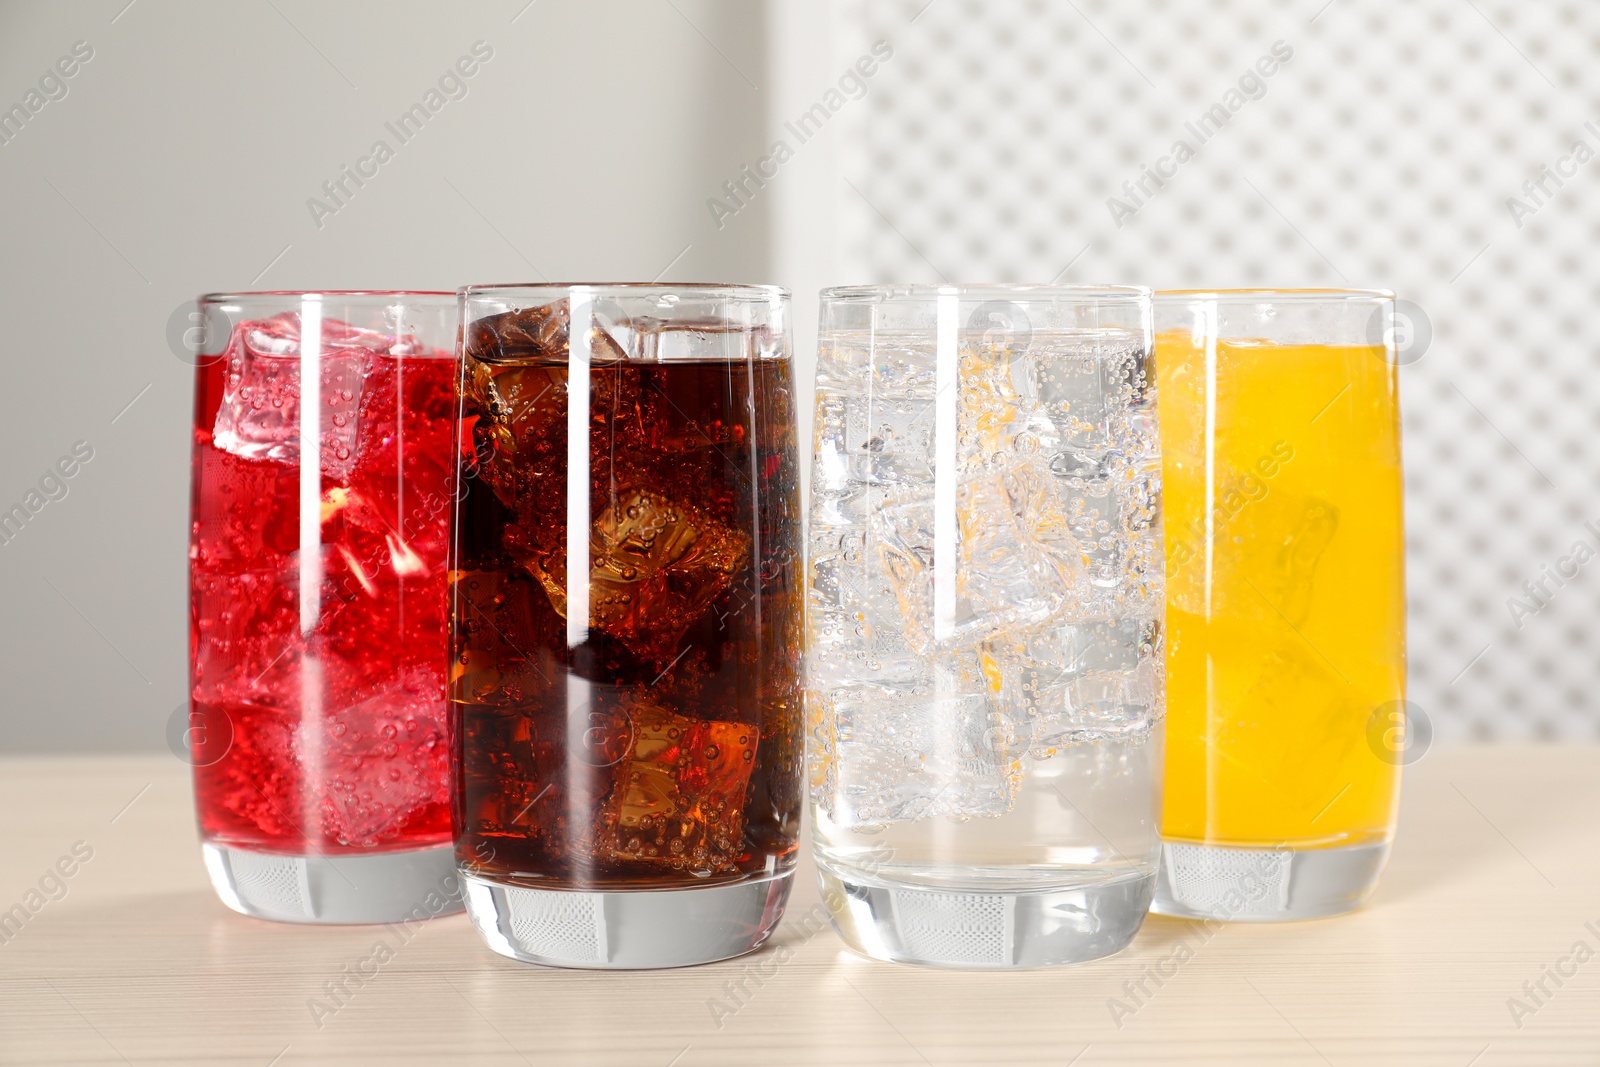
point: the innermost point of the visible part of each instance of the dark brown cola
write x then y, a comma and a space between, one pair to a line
640, 728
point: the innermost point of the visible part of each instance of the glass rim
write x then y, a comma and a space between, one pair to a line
226, 298
1113, 294
725, 290
1272, 296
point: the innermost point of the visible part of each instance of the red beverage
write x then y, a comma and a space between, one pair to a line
318, 649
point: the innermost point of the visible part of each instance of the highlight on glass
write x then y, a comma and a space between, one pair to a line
985, 692
323, 476
625, 661
1285, 600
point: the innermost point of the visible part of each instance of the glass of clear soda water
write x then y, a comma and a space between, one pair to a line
985, 688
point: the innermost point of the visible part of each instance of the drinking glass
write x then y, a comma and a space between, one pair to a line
984, 673
626, 621
1285, 600
322, 482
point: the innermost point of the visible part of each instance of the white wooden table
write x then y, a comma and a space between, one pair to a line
1495, 878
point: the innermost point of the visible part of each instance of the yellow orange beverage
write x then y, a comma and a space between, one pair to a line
1285, 600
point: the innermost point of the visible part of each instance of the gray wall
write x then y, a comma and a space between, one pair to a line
180, 160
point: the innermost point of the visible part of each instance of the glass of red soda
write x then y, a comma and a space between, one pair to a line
323, 482
625, 599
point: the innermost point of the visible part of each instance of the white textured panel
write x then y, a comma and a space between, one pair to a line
955, 928
1203, 878
273, 884
1381, 154
568, 926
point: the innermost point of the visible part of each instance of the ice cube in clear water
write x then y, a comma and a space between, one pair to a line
1064, 681
1112, 510
841, 368
1099, 705
899, 757
1038, 508
873, 440
885, 369
889, 440
1004, 573
1094, 392
259, 414
988, 406
1084, 467
1071, 390
903, 370
854, 506
856, 632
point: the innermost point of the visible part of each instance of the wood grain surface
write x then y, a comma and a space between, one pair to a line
131, 959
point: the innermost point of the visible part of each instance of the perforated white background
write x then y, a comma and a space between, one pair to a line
1381, 154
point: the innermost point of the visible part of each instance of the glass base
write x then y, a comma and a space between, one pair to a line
626, 929
383, 887
998, 928
1264, 885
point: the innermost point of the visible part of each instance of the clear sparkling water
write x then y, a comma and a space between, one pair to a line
985, 650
